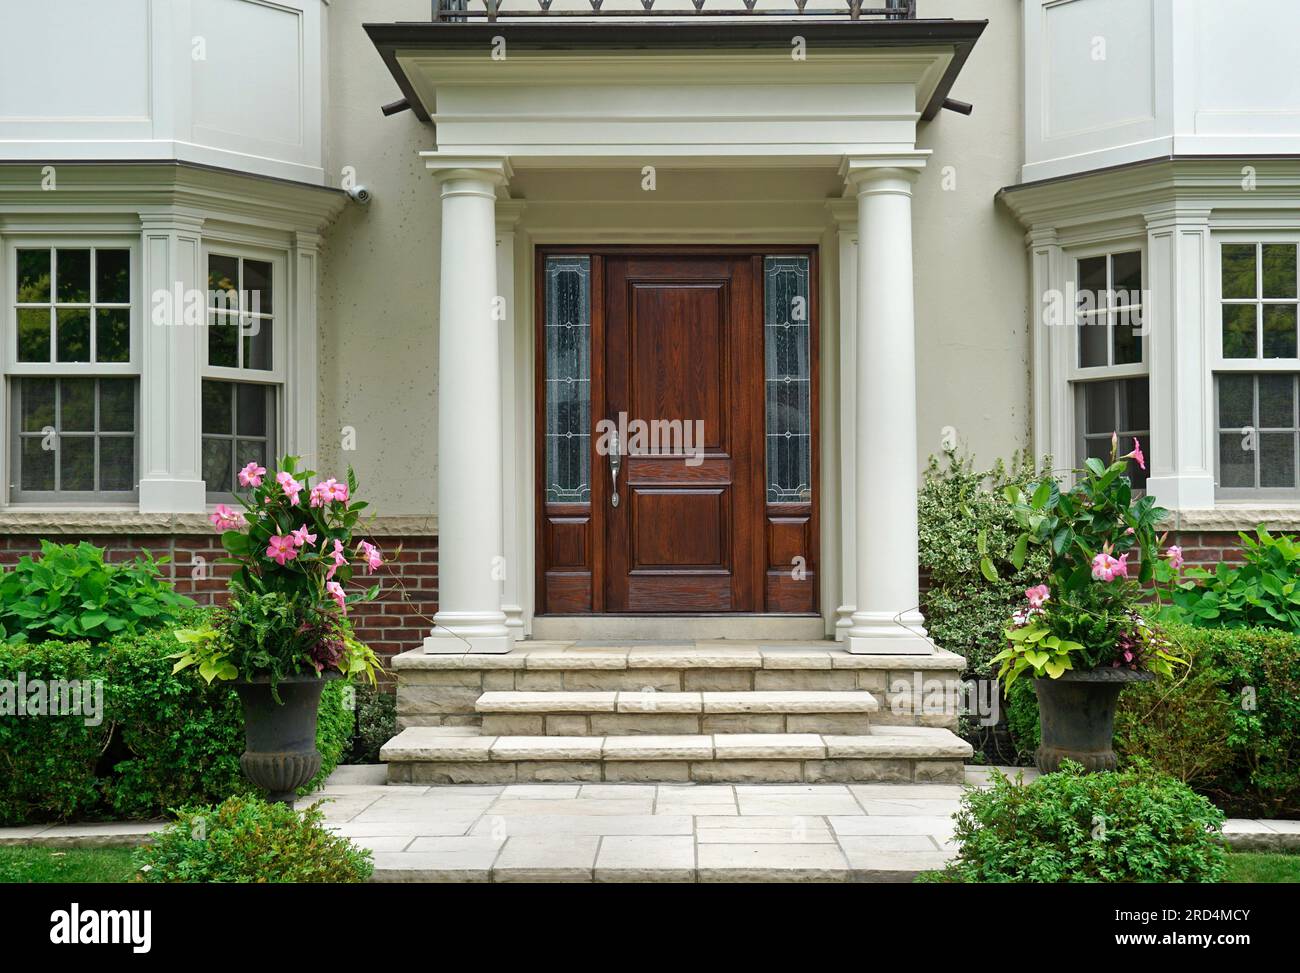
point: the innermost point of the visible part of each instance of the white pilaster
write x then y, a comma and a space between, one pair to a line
471, 554
515, 430
300, 425
1175, 327
1050, 338
172, 339
886, 617
845, 214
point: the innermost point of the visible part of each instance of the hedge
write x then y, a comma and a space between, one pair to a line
1230, 728
165, 740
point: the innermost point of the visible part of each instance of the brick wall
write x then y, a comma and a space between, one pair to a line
1205, 549
398, 621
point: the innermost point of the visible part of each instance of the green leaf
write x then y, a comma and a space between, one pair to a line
988, 570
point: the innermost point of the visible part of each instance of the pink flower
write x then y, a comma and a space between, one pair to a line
1037, 595
251, 475
223, 518
282, 548
1137, 455
302, 537
290, 486
374, 560
1130, 531
327, 490
340, 559
1121, 566
336, 592
1107, 568
1175, 555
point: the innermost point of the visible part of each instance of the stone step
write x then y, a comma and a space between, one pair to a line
629, 713
431, 755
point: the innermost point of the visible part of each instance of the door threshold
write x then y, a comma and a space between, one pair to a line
679, 627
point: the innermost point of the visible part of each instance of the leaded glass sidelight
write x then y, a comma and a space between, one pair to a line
787, 378
568, 379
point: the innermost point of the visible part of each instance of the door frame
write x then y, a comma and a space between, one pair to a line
774, 515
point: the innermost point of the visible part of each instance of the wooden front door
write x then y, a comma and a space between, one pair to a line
656, 424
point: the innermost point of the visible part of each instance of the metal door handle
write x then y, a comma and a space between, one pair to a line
615, 463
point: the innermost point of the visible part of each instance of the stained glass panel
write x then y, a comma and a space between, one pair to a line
568, 379
787, 378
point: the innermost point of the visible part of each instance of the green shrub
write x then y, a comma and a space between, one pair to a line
70, 592
1022, 718
1264, 591
376, 713
1070, 826
965, 612
164, 741
245, 839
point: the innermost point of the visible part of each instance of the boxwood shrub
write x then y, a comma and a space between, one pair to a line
1133, 826
164, 740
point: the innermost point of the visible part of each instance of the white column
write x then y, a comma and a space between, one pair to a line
515, 356
174, 285
471, 556
1175, 329
304, 258
845, 214
886, 617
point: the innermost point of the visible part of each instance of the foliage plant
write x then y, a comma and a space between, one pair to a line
1084, 614
1263, 591
164, 740
294, 556
376, 720
245, 839
71, 592
1071, 826
958, 505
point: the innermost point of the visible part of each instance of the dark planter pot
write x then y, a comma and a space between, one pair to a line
280, 738
1076, 714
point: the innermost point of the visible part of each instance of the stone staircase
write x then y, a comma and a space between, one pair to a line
704, 711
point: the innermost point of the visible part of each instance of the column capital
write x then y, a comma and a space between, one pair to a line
449, 165
1167, 215
884, 172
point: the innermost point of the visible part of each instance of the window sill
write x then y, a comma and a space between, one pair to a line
1236, 516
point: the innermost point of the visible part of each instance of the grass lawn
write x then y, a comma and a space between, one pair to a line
76, 865
1260, 867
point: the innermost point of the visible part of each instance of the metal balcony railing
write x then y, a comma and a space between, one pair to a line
492, 10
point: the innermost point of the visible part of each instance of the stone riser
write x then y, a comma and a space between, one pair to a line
836, 771
672, 724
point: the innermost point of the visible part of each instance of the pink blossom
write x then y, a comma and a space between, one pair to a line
1130, 531
327, 490
1121, 566
1107, 568
1175, 555
1037, 595
223, 518
281, 549
290, 486
1137, 455
374, 560
302, 536
340, 559
336, 592
251, 475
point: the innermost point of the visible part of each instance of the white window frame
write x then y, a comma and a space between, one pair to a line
15, 369
1220, 365
281, 317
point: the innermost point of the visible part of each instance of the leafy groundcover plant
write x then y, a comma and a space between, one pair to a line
1070, 826
1264, 591
294, 556
245, 839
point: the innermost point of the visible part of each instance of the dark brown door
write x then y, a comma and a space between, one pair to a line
683, 385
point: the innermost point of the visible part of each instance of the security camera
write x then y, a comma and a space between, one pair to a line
361, 194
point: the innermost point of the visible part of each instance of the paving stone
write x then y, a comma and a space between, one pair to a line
434, 823
540, 771
574, 806
397, 809
655, 702
893, 866
713, 810
889, 744
618, 792
768, 746
658, 748
583, 824
743, 771
436, 699
408, 866
457, 854
925, 808
457, 772
643, 858
775, 657
647, 770
871, 843
577, 659
762, 829
907, 792
939, 826
377, 843
548, 858
546, 748
743, 723
112, 834
417, 744
851, 771
542, 792
546, 702
797, 804
698, 793
355, 775
806, 862
789, 702
840, 724
938, 771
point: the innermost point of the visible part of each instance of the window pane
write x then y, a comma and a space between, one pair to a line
568, 379
223, 282
1135, 405
250, 412
788, 377
1236, 401
73, 274
223, 338
1092, 340
257, 343
217, 473
1279, 331
1236, 461
217, 408
77, 463
1092, 284
1126, 277
1127, 338
1277, 459
1099, 407
113, 276
257, 286
117, 463
77, 405
1279, 270
37, 464
73, 334
1239, 331
1276, 402
33, 276
117, 405
36, 404
1239, 271
112, 334
250, 451
34, 334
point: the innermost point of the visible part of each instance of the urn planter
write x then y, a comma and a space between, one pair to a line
1076, 714
280, 737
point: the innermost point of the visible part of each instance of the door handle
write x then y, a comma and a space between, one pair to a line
615, 464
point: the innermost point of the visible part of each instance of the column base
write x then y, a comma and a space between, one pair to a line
457, 633
887, 633
1182, 492
163, 496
